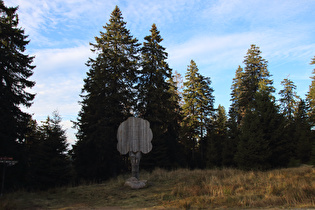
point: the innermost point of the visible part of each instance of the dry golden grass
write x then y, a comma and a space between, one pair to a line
234, 188
226, 188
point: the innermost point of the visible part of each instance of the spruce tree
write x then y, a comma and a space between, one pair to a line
198, 112
236, 93
108, 98
303, 136
15, 69
255, 77
262, 145
289, 98
231, 141
158, 102
289, 105
31, 146
49, 163
310, 96
177, 87
233, 122
216, 139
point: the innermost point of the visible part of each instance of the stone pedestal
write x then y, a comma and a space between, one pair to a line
134, 183
135, 161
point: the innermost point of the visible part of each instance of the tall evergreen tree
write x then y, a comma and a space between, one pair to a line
289, 105
177, 83
255, 77
236, 93
15, 70
31, 147
310, 96
48, 161
262, 145
197, 112
158, 102
233, 122
303, 136
289, 98
176, 101
231, 141
216, 139
108, 98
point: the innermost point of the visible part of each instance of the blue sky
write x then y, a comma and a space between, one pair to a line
216, 34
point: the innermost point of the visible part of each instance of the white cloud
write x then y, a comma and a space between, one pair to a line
62, 60
257, 12
226, 50
209, 49
67, 124
45, 20
59, 75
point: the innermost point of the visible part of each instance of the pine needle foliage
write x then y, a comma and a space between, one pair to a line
261, 144
289, 98
158, 103
48, 163
237, 92
108, 98
256, 76
198, 112
310, 96
15, 70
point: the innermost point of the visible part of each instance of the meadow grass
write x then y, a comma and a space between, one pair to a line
183, 189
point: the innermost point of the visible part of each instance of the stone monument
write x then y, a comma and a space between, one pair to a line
134, 136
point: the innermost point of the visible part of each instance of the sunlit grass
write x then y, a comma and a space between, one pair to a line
182, 188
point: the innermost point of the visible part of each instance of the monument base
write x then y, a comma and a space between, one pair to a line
134, 183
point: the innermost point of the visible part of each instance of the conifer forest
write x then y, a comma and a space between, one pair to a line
263, 128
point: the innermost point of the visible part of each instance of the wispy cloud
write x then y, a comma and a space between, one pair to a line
59, 23
257, 12
62, 60
226, 51
59, 77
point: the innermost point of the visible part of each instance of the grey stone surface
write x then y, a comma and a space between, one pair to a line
134, 183
134, 135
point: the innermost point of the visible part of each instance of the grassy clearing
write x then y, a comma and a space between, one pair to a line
226, 188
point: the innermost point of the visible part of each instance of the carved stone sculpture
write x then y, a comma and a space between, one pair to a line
134, 136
